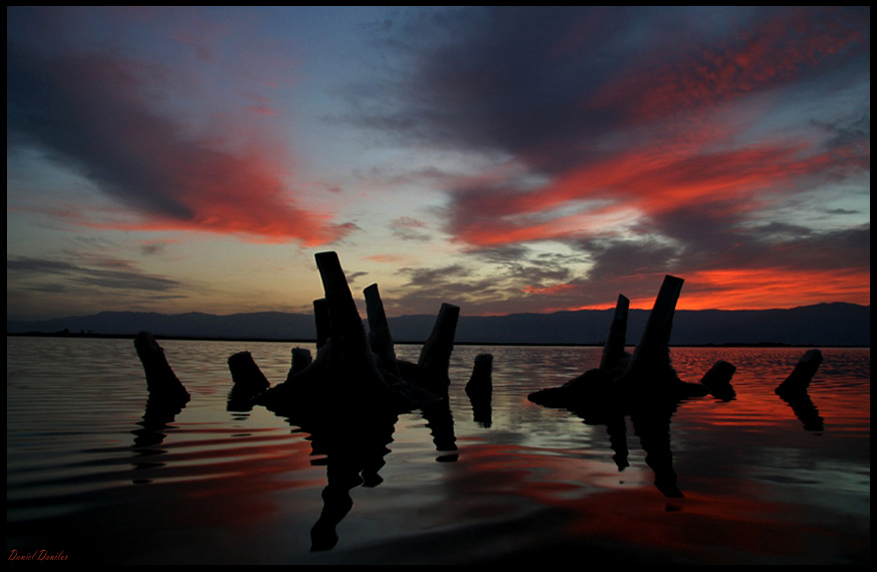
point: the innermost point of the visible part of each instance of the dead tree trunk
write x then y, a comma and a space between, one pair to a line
160, 378
799, 380
351, 362
323, 322
651, 358
613, 350
435, 357
301, 359
718, 380
246, 375
379, 337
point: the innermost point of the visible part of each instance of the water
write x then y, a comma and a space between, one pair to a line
86, 479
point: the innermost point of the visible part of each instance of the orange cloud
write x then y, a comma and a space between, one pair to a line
547, 289
757, 289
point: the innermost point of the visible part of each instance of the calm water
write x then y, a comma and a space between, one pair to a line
84, 476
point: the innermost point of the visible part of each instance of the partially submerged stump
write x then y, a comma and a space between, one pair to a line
799, 380
161, 380
248, 380
480, 389
348, 398
246, 374
647, 374
167, 396
359, 370
301, 359
794, 390
481, 380
323, 323
645, 386
435, 357
614, 355
352, 366
718, 380
379, 337
650, 364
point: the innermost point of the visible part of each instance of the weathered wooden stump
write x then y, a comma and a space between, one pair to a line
800, 378
613, 350
161, 380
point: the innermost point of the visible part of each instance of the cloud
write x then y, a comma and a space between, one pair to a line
87, 110
351, 278
648, 140
154, 247
409, 228
52, 274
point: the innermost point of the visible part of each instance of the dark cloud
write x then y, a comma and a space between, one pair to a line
40, 273
479, 77
524, 284
87, 110
153, 248
550, 84
827, 250
630, 131
351, 278
409, 228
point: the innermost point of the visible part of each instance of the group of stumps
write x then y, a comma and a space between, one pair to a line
355, 371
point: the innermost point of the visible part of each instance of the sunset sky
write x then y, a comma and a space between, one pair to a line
502, 159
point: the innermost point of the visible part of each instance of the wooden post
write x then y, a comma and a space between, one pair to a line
323, 322
350, 357
379, 337
246, 375
652, 354
435, 357
481, 380
799, 380
301, 359
613, 350
160, 378
480, 390
718, 380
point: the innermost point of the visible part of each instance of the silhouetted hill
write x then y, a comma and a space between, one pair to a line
835, 324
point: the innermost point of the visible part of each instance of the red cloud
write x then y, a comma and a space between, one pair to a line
89, 111
789, 46
758, 289
665, 177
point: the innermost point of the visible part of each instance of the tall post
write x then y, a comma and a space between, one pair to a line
799, 380
435, 357
160, 378
379, 337
652, 354
613, 350
322, 321
349, 354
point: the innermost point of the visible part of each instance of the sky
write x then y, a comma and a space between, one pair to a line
502, 159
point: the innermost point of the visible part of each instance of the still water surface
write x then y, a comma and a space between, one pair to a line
87, 477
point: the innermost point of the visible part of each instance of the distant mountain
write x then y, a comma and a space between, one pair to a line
835, 324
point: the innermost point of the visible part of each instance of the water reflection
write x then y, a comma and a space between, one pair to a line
160, 413
758, 489
804, 409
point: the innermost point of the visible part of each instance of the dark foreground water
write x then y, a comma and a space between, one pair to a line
92, 480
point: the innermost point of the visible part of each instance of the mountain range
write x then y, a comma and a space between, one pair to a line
836, 324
